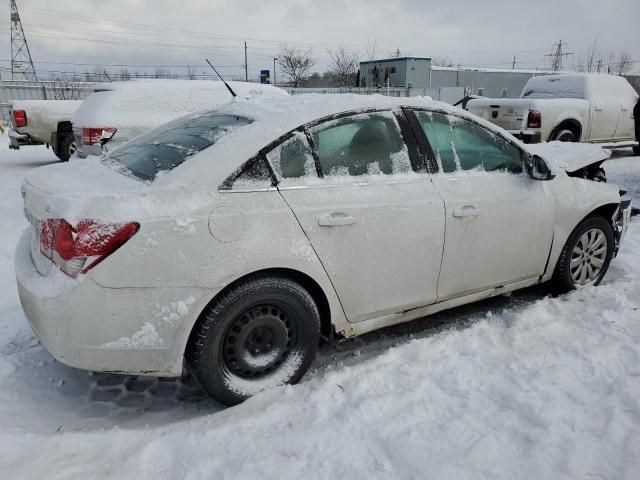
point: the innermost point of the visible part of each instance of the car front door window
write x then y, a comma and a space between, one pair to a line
459, 144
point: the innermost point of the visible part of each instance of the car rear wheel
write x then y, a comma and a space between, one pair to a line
66, 147
261, 334
585, 258
565, 135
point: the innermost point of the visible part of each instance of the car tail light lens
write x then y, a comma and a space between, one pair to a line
534, 119
19, 118
78, 249
91, 136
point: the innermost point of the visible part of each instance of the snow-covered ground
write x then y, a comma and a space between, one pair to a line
517, 387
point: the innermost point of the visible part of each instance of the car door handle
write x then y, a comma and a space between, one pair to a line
466, 211
624, 109
335, 219
598, 108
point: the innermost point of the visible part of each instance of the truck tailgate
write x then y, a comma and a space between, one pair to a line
508, 114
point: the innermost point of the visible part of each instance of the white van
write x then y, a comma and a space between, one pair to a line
131, 108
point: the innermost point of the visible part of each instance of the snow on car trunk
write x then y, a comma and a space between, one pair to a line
72, 194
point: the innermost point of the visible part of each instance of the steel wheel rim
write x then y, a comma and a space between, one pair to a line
588, 257
257, 341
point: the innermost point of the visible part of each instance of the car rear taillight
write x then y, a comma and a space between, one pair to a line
534, 119
78, 249
19, 118
91, 136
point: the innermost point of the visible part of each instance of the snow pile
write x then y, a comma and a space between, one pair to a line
521, 386
145, 104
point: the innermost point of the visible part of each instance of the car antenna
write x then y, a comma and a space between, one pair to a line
223, 80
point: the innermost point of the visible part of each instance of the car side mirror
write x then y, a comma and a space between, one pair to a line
537, 168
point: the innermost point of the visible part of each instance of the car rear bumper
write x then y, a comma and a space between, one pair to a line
140, 331
17, 139
527, 136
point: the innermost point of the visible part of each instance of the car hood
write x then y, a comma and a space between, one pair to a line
569, 156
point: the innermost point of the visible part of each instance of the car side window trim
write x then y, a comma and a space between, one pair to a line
426, 144
227, 185
422, 143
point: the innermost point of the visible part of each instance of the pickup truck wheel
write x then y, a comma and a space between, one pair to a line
66, 147
565, 135
585, 257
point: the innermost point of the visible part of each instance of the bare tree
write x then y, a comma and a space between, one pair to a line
371, 50
442, 62
295, 63
123, 75
588, 60
623, 65
67, 87
191, 72
344, 67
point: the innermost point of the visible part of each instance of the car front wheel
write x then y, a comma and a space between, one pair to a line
585, 258
261, 334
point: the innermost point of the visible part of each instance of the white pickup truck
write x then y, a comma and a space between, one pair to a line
44, 122
568, 107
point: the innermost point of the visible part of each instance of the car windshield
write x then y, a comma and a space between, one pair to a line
164, 148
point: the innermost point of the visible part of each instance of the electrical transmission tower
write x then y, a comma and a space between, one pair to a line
21, 62
558, 55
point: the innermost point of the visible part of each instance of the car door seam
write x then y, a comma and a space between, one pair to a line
316, 252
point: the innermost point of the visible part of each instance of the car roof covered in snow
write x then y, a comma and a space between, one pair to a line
275, 116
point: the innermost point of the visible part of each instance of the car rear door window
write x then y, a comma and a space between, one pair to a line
363, 144
292, 160
460, 144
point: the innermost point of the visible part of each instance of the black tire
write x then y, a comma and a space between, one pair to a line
563, 278
66, 147
261, 334
565, 135
636, 150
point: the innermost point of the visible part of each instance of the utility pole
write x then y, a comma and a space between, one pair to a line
274, 70
246, 67
599, 65
514, 63
21, 62
558, 55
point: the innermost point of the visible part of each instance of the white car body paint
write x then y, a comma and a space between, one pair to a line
195, 239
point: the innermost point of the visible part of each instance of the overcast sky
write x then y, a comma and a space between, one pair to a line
176, 33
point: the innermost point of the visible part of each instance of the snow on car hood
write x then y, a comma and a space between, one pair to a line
569, 156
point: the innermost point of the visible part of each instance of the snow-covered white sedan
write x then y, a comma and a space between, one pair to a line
237, 239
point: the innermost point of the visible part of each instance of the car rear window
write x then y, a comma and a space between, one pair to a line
554, 88
166, 147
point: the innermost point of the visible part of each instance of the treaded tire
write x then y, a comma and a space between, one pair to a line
64, 151
562, 281
565, 135
230, 324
